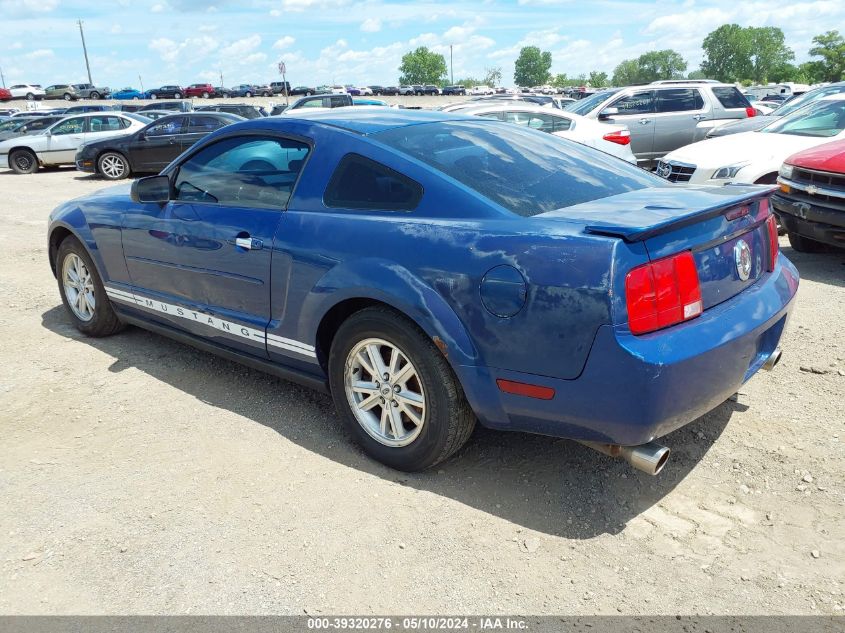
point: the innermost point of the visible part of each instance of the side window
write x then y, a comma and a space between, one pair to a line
105, 123
361, 183
312, 103
71, 126
201, 124
244, 171
637, 103
166, 128
679, 100
499, 116
338, 102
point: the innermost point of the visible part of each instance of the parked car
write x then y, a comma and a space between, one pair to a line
5, 94
613, 141
390, 90
30, 92
338, 90
264, 91
430, 89
79, 109
367, 101
320, 101
454, 90
477, 225
664, 117
129, 94
155, 114
222, 92
243, 110
204, 91
243, 90
280, 87
302, 90
788, 107
756, 157
376, 90
128, 107
90, 91
23, 126
61, 91
405, 91
167, 92
418, 89
810, 202
151, 148
7, 112
481, 90
57, 144
175, 106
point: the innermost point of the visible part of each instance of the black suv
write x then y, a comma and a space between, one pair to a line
167, 92
431, 89
454, 90
241, 109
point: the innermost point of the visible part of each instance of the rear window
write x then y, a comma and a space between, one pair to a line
730, 97
522, 170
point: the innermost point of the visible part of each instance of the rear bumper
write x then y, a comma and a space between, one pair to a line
637, 388
820, 222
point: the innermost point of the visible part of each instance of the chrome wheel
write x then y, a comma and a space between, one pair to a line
384, 392
113, 166
23, 161
79, 287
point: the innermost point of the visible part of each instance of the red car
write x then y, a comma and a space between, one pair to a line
811, 200
200, 90
5, 95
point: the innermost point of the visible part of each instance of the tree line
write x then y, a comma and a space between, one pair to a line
732, 53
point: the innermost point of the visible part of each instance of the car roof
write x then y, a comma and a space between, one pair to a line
517, 106
369, 119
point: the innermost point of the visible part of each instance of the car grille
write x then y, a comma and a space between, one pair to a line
820, 185
675, 172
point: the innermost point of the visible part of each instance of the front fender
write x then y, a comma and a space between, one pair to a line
391, 284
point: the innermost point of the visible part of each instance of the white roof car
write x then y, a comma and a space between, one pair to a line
756, 157
611, 139
57, 145
29, 92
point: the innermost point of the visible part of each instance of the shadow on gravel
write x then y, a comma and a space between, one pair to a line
550, 485
825, 268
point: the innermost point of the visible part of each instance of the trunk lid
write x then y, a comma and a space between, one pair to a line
723, 227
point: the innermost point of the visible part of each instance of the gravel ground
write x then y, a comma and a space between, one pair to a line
138, 475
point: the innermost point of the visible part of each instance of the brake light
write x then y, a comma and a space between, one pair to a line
663, 293
750, 112
620, 137
774, 246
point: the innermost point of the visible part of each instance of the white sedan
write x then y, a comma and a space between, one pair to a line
30, 92
58, 144
756, 157
611, 139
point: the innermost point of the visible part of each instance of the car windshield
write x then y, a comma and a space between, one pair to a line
793, 104
524, 171
587, 104
13, 124
138, 117
820, 118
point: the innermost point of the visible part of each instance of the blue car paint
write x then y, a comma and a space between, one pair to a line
571, 335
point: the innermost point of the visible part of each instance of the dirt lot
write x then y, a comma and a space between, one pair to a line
140, 476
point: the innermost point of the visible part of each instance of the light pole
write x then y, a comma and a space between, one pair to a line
2, 78
451, 67
85, 52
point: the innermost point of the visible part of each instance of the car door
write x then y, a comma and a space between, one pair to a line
678, 113
102, 126
65, 138
158, 144
636, 111
201, 262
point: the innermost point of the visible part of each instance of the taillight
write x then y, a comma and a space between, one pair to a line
663, 293
774, 246
750, 112
620, 137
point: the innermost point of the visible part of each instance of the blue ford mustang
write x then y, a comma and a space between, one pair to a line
431, 270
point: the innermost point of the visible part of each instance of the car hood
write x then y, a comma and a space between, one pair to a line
743, 125
827, 157
746, 147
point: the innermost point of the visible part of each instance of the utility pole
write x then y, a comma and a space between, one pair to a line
2, 78
141, 81
85, 51
451, 67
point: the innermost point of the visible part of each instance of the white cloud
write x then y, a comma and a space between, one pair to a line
157, 8
285, 42
242, 47
26, 7
371, 25
16, 46
40, 54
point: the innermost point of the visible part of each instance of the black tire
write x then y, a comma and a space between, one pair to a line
449, 420
177, 95
247, 94
112, 174
30, 96
104, 321
307, 93
205, 95
94, 95
23, 161
153, 96
804, 244
67, 96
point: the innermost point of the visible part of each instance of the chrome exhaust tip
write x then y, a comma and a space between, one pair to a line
649, 458
772, 360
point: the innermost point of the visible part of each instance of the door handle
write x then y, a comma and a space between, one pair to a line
247, 243
698, 117
645, 121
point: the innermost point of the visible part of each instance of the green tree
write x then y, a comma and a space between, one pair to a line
422, 66
697, 74
830, 47
665, 64
727, 53
770, 52
532, 67
492, 76
597, 79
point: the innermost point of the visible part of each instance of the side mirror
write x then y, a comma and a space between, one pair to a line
155, 189
605, 114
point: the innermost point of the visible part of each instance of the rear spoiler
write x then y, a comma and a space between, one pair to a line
675, 220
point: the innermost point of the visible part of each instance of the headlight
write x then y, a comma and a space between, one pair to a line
727, 172
785, 171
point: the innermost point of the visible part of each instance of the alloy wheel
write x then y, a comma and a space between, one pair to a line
79, 287
113, 166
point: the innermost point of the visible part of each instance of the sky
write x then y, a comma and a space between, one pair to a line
362, 42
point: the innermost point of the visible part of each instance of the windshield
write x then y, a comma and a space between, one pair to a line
522, 170
138, 117
820, 118
587, 104
13, 124
791, 105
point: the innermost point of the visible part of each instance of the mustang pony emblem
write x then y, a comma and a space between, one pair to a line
742, 256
